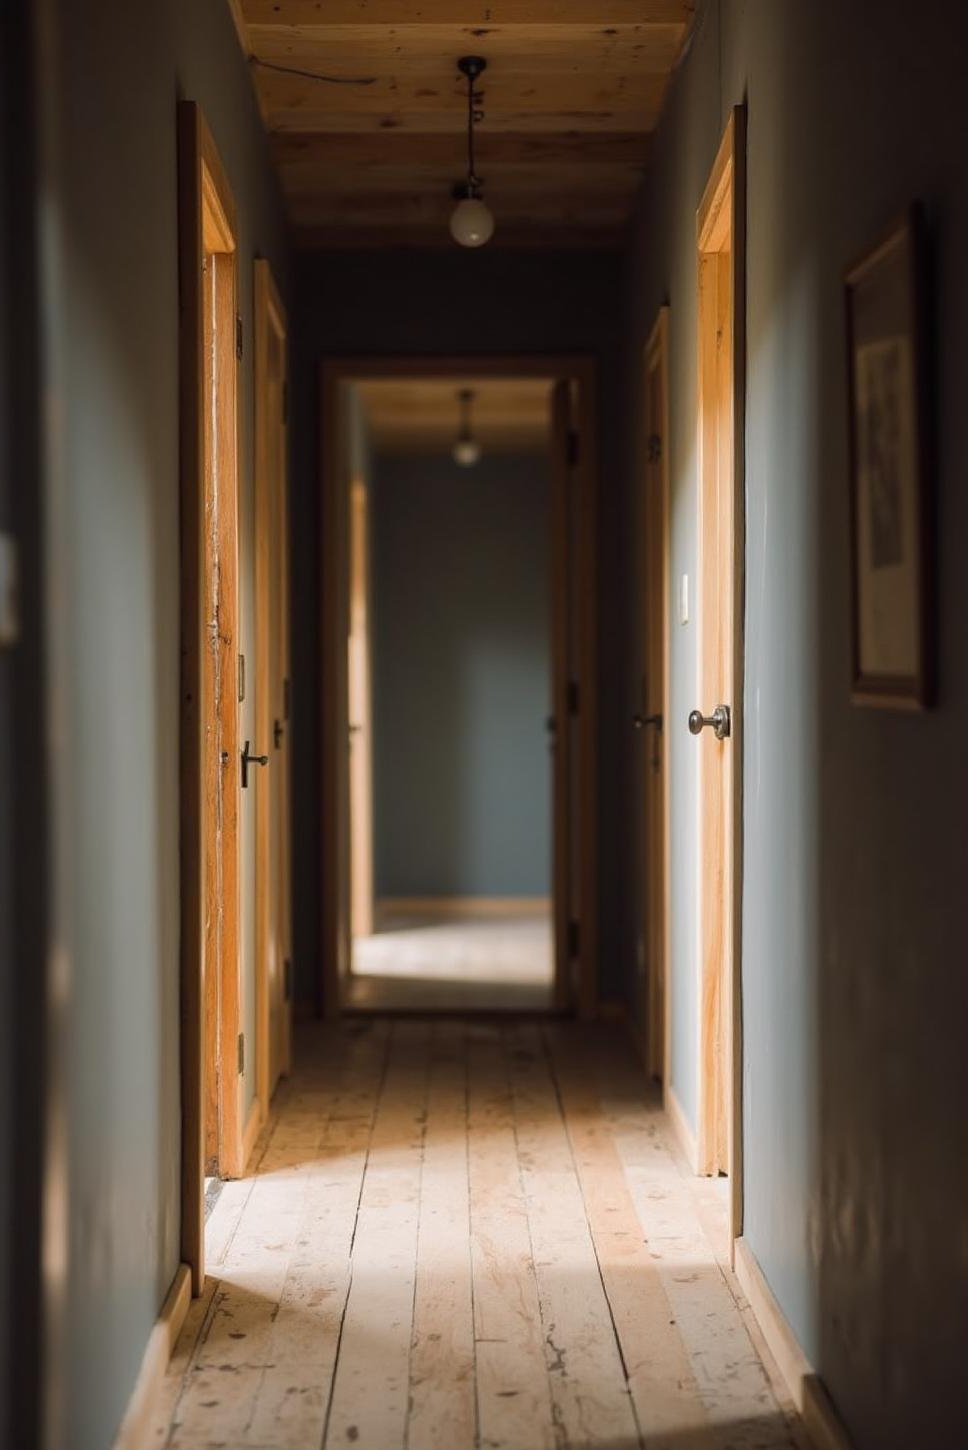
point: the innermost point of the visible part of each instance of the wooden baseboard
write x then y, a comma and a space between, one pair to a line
822, 1423
136, 1425
807, 1391
685, 1137
783, 1343
463, 906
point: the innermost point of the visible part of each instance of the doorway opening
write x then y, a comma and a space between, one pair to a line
457, 631
653, 720
273, 914
718, 720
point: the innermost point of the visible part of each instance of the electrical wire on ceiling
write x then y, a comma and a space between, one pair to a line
311, 75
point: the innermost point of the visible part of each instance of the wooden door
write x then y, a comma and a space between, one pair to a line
560, 722
209, 746
653, 720
361, 736
271, 785
282, 698
720, 260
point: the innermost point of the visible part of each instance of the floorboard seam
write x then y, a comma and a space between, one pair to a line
377, 1099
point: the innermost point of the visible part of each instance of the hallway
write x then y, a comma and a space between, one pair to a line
461, 1233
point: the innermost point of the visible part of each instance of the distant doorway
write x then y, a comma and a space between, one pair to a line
455, 639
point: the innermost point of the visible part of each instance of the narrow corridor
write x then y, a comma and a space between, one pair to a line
461, 1233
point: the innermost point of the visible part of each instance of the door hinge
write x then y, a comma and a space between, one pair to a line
9, 591
574, 447
574, 939
655, 448
573, 697
241, 678
238, 335
241, 1054
287, 979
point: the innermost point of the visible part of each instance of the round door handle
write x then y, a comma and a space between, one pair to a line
718, 721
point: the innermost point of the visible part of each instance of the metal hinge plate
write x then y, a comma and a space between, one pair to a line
241, 1054
9, 592
238, 336
574, 447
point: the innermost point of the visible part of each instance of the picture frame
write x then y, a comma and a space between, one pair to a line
892, 644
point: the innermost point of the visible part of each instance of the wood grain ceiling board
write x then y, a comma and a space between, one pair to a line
367, 112
422, 415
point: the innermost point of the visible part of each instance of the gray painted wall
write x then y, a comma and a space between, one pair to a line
461, 678
854, 993
454, 302
111, 298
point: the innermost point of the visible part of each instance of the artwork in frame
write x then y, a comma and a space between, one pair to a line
890, 462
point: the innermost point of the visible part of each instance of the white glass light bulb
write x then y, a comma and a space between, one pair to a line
466, 452
471, 222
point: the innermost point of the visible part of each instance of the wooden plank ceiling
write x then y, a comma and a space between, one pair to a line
367, 112
422, 415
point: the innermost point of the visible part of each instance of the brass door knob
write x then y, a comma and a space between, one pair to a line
719, 721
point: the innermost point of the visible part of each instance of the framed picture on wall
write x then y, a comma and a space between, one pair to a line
889, 472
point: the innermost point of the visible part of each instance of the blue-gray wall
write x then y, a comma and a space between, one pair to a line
461, 677
113, 74
854, 991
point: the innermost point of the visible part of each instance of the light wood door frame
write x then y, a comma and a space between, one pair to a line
721, 253
273, 949
654, 723
334, 574
360, 713
209, 726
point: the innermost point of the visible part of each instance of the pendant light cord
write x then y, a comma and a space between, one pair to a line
473, 116
472, 182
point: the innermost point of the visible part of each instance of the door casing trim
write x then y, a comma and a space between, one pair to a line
333, 572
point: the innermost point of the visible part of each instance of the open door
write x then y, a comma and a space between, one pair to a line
717, 720
565, 695
652, 722
360, 725
273, 956
211, 1062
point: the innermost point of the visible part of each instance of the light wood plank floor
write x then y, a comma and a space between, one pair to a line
468, 1234
470, 963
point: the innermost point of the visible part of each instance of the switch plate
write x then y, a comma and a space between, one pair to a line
9, 592
684, 599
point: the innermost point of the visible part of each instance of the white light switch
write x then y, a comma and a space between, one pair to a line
684, 599
9, 592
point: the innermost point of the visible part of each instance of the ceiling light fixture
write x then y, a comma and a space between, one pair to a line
467, 450
471, 222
